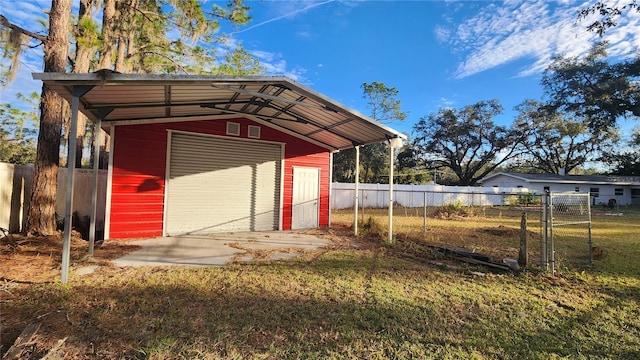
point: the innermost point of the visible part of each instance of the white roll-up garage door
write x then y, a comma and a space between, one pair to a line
217, 184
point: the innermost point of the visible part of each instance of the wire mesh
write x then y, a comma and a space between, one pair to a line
485, 223
570, 231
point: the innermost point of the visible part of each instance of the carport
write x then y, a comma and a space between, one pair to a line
271, 104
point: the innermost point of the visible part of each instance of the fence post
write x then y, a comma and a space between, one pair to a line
362, 196
424, 215
544, 264
523, 257
551, 240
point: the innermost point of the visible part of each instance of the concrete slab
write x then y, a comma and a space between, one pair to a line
86, 270
218, 249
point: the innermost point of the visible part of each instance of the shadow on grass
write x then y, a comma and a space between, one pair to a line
344, 305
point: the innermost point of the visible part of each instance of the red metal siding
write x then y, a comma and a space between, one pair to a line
139, 168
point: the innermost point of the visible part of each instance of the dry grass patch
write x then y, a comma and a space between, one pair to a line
36, 259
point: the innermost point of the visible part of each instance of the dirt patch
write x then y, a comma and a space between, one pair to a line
28, 262
503, 231
37, 259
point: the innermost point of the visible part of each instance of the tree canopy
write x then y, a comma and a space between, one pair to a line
384, 106
466, 140
593, 88
18, 129
382, 102
558, 141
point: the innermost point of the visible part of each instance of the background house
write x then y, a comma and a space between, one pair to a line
624, 189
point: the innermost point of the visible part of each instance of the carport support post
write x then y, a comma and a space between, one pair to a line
94, 191
390, 237
71, 161
393, 143
355, 198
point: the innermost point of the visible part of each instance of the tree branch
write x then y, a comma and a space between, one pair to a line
162, 56
6, 23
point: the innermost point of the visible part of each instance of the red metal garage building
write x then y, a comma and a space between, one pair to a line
197, 154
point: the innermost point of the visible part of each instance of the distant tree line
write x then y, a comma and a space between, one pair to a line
574, 124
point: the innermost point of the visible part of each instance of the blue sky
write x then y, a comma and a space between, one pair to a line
436, 53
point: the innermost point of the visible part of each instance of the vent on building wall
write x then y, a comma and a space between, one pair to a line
233, 129
254, 131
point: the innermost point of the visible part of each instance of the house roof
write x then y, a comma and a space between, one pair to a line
569, 179
274, 101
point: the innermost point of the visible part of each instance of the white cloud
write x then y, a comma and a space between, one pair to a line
275, 64
445, 103
537, 30
26, 14
442, 33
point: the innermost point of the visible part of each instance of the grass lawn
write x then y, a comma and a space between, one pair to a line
358, 299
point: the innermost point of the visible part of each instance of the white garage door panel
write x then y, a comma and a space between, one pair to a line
222, 185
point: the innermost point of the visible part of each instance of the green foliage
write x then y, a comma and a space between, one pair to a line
88, 33
374, 228
625, 163
236, 62
410, 170
466, 140
558, 140
594, 89
453, 209
374, 158
528, 199
382, 102
17, 135
624, 160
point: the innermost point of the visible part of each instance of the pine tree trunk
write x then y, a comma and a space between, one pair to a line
42, 212
108, 34
82, 64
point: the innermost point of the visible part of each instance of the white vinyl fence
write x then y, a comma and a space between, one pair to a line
377, 195
15, 193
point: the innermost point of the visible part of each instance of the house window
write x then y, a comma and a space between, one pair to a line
619, 191
233, 129
595, 192
577, 189
254, 132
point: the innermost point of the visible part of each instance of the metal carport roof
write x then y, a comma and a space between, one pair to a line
275, 101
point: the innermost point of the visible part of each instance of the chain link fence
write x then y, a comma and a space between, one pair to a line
494, 224
566, 240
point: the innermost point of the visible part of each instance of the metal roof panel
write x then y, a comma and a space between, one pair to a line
274, 99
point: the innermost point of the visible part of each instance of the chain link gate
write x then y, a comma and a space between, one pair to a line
566, 221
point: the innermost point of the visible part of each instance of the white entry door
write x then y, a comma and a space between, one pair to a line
306, 199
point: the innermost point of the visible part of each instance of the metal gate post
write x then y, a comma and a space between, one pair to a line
424, 214
590, 238
544, 263
551, 242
